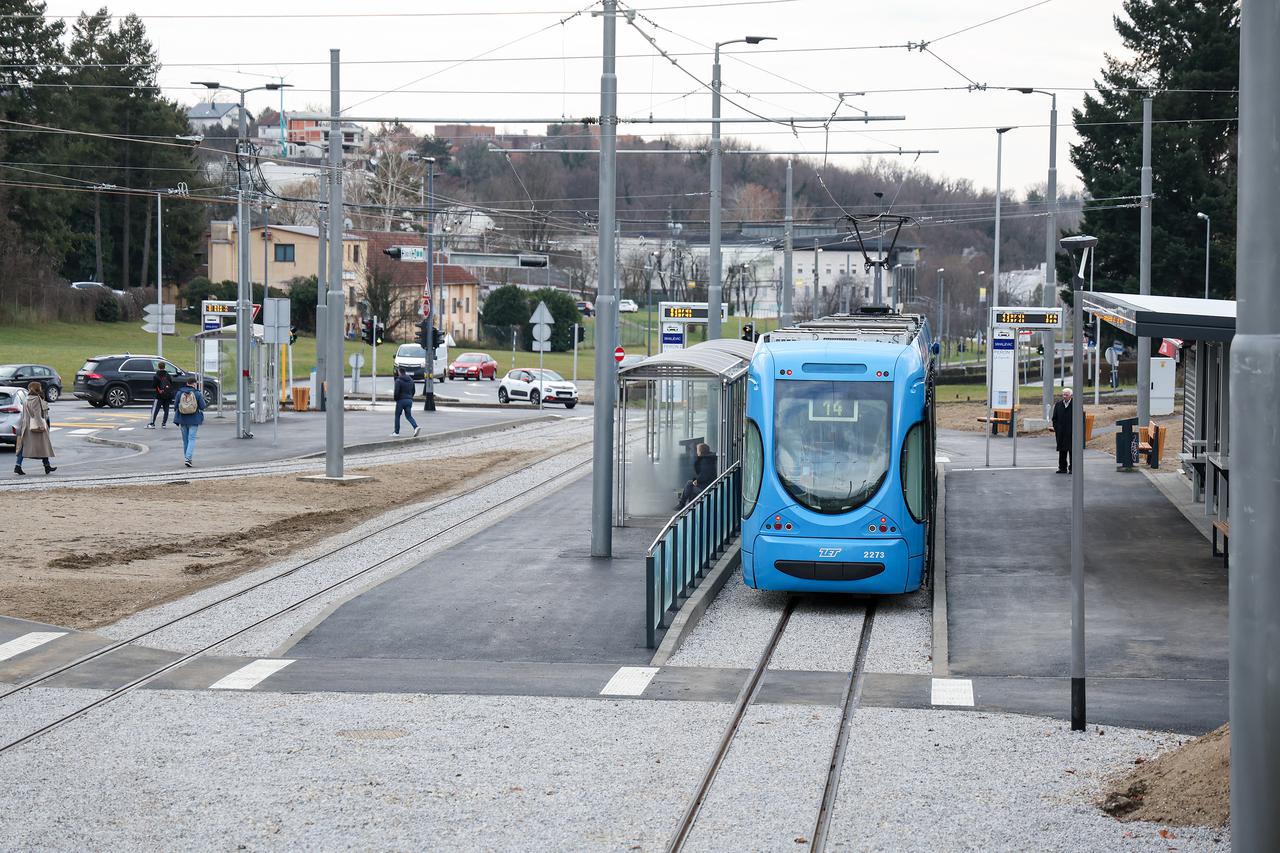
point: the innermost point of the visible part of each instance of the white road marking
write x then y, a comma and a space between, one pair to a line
27, 642
82, 432
54, 429
952, 691
125, 429
629, 681
942, 459
1008, 468
250, 675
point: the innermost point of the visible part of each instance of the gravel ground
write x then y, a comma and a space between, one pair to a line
200, 630
902, 636
955, 780
768, 790
822, 635
24, 712
171, 771
734, 630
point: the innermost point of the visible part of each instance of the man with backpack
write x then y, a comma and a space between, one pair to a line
162, 385
189, 416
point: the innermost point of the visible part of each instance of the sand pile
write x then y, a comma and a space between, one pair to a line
1188, 786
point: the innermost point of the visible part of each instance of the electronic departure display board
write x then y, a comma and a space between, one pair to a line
1027, 318
689, 313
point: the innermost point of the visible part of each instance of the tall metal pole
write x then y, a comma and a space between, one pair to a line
244, 300
1206, 254
606, 370
1144, 268
1254, 598
713, 261
322, 298
1077, 508
788, 240
429, 386
335, 301
938, 305
1049, 339
160, 275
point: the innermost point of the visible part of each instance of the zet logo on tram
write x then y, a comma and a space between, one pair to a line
828, 553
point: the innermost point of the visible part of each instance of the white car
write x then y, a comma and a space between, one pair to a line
11, 402
627, 306
534, 386
413, 358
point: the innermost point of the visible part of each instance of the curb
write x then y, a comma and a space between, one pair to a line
690, 614
446, 436
941, 646
115, 442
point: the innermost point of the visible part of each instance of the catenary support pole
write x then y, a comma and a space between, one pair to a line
322, 299
160, 276
1049, 339
1144, 267
333, 437
244, 298
606, 370
714, 262
429, 386
788, 240
1254, 598
1078, 716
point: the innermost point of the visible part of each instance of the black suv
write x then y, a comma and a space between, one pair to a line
22, 375
117, 380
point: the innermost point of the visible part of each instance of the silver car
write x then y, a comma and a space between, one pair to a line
11, 401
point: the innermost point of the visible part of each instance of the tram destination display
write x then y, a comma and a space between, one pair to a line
1026, 318
689, 313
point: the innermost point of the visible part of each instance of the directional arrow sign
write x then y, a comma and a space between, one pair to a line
542, 314
166, 329
149, 311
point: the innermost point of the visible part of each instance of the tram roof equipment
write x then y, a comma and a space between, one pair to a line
877, 325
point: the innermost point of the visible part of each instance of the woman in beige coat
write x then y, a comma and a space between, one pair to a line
33, 435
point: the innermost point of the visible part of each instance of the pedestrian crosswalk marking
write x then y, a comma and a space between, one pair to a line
82, 432
629, 681
27, 642
250, 675
952, 691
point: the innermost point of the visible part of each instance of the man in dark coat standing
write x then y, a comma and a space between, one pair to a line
1062, 415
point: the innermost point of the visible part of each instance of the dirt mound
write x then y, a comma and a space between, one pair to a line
1186, 787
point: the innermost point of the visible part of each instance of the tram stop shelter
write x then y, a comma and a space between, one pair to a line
1203, 329
677, 400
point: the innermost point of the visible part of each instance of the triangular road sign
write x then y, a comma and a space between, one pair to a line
542, 315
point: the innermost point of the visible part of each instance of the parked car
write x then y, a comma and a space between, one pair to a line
473, 365
413, 358
118, 380
95, 285
535, 385
627, 306
21, 375
11, 402
585, 308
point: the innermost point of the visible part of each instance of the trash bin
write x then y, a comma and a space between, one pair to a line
1127, 443
301, 398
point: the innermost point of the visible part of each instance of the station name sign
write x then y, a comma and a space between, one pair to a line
689, 313
1026, 318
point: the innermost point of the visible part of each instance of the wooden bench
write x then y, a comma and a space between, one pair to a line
1224, 528
1151, 443
999, 417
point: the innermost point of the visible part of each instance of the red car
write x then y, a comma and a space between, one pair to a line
473, 365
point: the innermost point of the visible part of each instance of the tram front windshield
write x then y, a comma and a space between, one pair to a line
832, 441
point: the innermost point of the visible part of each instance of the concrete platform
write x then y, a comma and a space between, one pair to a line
525, 590
1155, 600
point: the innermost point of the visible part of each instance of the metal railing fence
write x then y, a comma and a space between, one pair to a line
685, 549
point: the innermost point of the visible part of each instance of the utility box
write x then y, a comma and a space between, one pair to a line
1162, 375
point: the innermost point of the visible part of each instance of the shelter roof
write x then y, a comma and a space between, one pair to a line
1150, 316
707, 360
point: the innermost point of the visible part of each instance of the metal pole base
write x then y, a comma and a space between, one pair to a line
1077, 705
429, 398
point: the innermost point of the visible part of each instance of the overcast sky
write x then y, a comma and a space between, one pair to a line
534, 67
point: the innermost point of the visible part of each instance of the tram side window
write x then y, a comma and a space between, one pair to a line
752, 468
913, 471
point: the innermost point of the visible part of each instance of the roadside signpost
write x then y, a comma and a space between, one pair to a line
356, 360
1007, 327
160, 320
542, 322
619, 354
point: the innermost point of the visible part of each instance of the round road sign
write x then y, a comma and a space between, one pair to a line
618, 354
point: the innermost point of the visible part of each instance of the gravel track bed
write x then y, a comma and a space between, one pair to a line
176, 770
822, 635
933, 780
200, 630
767, 793
24, 712
734, 630
902, 637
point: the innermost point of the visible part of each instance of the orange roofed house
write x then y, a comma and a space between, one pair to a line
459, 315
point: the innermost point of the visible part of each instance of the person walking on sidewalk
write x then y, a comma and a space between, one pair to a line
1061, 421
33, 431
404, 401
162, 385
189, 416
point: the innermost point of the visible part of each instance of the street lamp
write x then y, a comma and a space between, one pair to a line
244, 310
1084, 245
713, 283
1205, 217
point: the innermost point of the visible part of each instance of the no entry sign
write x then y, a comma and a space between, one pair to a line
618, 354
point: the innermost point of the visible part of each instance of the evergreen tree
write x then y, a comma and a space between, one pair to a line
1185, 54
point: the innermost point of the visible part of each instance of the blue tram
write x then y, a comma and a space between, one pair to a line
839, 486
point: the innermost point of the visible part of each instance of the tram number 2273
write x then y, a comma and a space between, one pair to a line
873, 555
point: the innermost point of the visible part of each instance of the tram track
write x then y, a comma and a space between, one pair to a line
293, 604
747, 697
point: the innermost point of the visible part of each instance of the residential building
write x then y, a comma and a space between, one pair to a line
206, 115
308, 135
460, 311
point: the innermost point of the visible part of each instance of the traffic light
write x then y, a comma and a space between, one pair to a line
437, 339
366, 332
424, 334
749, 332
393, 252
582, 334
293, 335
